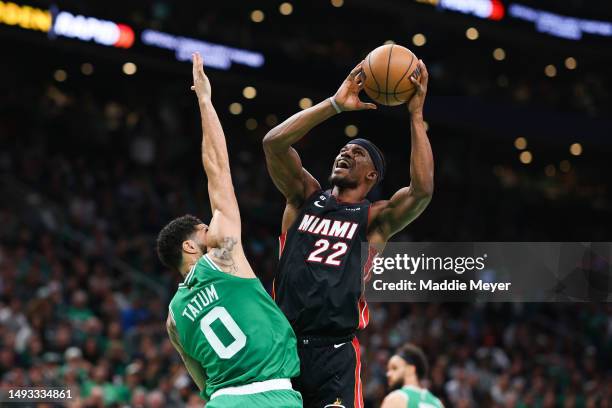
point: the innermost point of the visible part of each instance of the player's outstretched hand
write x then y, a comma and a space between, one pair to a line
419, 78
347, 96
201, 84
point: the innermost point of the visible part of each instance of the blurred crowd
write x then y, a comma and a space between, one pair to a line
499, 355
90, 173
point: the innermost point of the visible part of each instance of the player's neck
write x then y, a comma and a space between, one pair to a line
411, 382
185, 270
349, 195
187, 265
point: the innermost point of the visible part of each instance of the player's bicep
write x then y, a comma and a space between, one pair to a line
396, 399
288, 175
223, 226
403, 207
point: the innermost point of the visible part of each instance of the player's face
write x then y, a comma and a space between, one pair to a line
200, 237
351, 167
395, 371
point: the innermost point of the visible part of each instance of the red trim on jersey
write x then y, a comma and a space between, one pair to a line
273, 289
282, 239
364, 313
358, 398
362, 306
367, 268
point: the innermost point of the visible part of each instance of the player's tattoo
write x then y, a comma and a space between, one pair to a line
223, 255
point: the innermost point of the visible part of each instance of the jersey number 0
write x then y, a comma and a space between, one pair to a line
224, 352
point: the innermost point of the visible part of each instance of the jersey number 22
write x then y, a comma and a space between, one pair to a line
322, 245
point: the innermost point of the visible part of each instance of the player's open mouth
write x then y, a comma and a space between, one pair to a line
343, 164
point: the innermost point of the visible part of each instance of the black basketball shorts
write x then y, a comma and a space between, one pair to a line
330, 372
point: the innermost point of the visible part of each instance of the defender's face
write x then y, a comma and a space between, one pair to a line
395, 371
351, 167
200, 237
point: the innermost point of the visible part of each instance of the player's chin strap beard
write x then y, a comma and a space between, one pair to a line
342, 182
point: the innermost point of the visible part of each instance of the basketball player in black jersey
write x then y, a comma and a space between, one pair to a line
319, 281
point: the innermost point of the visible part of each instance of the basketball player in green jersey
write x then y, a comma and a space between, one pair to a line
235, 342
406, 369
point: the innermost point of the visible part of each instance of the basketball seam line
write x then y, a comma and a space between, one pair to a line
400, 80
391, 93
373, 76
387, 80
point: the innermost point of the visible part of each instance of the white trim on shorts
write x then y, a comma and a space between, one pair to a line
256, 387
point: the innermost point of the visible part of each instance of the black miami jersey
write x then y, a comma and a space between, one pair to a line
319, 280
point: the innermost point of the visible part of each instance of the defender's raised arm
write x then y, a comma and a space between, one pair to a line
214, 149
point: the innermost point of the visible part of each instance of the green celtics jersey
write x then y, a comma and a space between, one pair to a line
420, 398
233, 328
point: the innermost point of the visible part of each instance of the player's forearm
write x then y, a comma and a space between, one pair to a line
293, 129
421, 158
214, 149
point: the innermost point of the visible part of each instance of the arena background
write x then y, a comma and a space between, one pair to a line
99, 147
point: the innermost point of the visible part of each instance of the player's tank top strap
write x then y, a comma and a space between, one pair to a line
326, 200
316, 196
198, 269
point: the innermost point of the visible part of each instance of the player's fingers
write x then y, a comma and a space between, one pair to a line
423, 70
368, 106
416, 83
355, 71
200, 64
194, 67
198, 70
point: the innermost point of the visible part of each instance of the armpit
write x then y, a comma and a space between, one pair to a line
223, 255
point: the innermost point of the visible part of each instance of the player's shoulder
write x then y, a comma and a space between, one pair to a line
175, 301
397, 398
435, 400
316, 195
170, 321
377, 206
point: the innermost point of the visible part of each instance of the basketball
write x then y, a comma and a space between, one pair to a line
387, 72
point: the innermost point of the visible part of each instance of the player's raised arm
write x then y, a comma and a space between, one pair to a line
283, 161
214, 152
409, 202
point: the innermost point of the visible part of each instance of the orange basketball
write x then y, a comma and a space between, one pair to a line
387, 72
